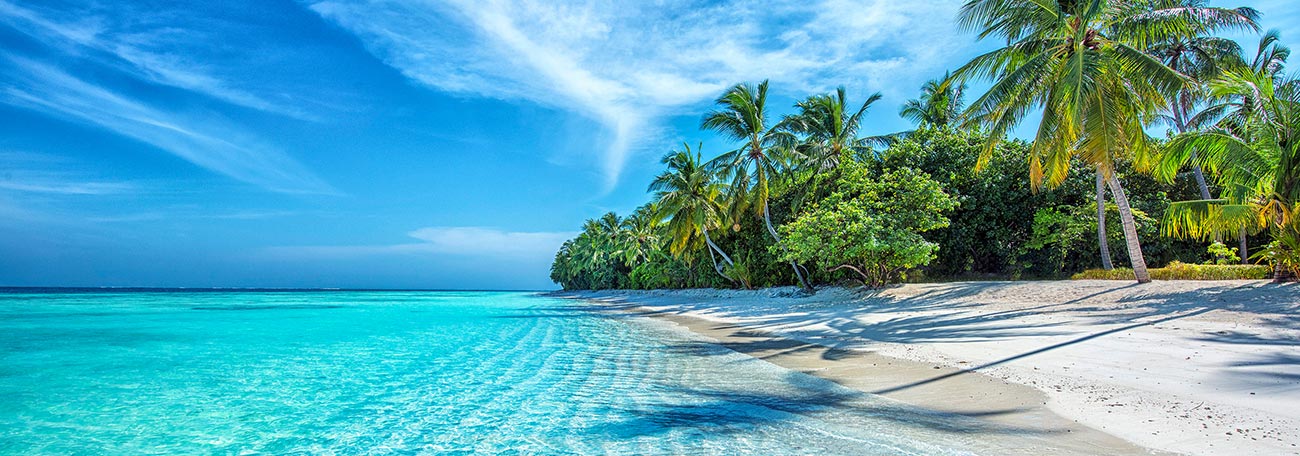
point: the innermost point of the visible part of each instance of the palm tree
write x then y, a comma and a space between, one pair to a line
1200, 57
830, 130
1256, 159
940, 103
1083, 63
640, 234
1229, 112
1271, 55
688, 194
742, 116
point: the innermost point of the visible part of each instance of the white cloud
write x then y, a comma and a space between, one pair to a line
203, 141
136, 52
457, 241
628, 64
40, 173
63, 187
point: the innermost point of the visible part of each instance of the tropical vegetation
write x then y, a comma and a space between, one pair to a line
811, 198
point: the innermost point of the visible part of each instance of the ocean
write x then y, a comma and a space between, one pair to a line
393, 372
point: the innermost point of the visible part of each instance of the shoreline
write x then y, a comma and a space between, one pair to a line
1098, 363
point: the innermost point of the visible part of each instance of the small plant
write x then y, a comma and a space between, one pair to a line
742, 273
1284, 257
1221, 254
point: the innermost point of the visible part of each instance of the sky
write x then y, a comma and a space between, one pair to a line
396, 144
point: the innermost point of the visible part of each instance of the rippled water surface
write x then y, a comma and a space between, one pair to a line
412, 373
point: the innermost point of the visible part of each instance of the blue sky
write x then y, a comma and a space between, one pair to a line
393, 144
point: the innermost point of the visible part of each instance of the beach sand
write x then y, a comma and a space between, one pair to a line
1106, 367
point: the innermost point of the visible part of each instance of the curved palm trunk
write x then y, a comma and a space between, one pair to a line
714, 247
1102, 240
767, 218
1130, 231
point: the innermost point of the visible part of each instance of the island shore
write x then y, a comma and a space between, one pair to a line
1111, 367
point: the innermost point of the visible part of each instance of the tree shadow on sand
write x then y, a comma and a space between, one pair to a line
730, 411
946, 317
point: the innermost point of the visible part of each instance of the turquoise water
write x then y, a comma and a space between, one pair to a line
413, 373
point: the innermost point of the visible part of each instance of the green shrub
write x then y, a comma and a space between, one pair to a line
1183, 271
1221, 254
870, 226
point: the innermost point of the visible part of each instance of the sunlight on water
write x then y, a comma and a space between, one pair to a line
408, 372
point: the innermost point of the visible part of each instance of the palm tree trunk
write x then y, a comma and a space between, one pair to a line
1130, 231
712, 248
1245, 258
718, 269
1102, 239
1200, 179
767, 218
1204, 188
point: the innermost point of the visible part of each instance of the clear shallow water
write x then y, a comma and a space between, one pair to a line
411, 373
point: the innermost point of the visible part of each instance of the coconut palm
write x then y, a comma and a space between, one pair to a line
1200, 57
1083, 63
742, 115
1271, 55
640, 234
939, 105
1236, 111
1256, 159
688, 194
830, 130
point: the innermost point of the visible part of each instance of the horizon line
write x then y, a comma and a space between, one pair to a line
6, 288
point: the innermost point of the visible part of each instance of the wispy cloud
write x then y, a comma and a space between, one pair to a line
64, 187
28, 172
138, 52
626, 65
205, 142
458, 241
192, 215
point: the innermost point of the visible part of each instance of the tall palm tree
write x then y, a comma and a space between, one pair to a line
1227, 112
830, 130
688, 194
1199, 57
939, 105
742, 115
1256, 159
1083, 63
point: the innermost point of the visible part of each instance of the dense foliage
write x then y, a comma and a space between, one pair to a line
871, 225
807, 198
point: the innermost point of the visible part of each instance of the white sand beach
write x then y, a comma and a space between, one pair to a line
1192, 367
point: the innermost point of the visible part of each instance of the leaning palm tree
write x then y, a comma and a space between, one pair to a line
688, 194
751, 168
1256, 159
830, 130
1083, 63
939, 105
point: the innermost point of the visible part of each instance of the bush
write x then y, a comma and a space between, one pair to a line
1184, 271
870, 226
